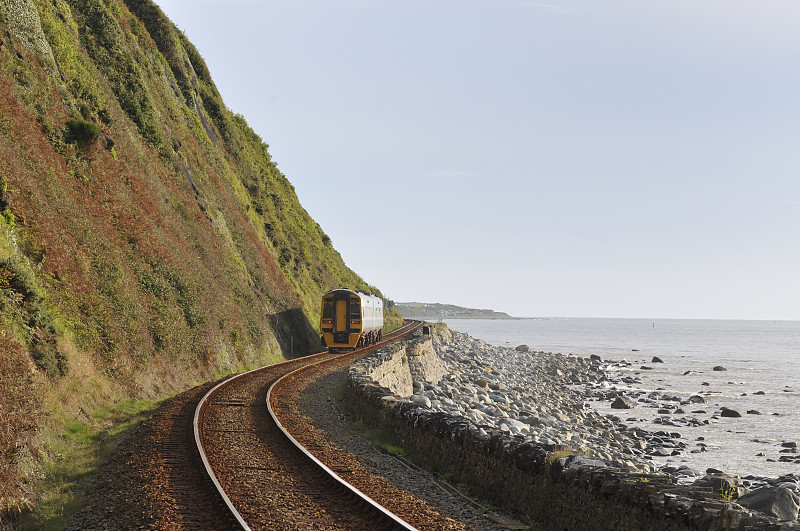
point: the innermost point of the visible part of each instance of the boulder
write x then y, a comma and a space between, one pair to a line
728, 412
727, 486
753, 412
595, 357
696, 399
421, 400
778, 502
623, 403
656, 359
720, 368
523, 348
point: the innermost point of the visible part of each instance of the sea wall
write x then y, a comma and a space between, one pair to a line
404, 367
569, 492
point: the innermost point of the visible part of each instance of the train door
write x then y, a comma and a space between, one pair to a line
340, 324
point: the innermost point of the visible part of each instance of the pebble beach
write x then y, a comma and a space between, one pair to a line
566, 401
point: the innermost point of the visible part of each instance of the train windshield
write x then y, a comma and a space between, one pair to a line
327, 310
355, 309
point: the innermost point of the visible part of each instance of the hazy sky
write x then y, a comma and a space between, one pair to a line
579, 158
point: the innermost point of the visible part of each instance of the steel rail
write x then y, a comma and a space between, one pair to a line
393, 518
406, 329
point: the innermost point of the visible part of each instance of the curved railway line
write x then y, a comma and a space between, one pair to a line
272, 472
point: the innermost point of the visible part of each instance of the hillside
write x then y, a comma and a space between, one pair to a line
436, 311
148, 241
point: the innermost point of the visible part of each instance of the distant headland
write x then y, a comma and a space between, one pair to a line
436, 311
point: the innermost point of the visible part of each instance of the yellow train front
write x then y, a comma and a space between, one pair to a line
350, 319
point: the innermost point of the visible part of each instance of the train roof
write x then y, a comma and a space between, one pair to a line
350, 291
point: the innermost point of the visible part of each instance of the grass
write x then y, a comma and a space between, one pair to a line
727, 492
75, 455
340, 393
558, 454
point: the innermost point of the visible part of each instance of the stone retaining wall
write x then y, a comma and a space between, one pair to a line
566, 493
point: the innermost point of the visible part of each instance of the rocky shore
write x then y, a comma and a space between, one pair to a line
529, 394
544, 399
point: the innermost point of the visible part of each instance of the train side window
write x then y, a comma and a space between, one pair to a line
327, 310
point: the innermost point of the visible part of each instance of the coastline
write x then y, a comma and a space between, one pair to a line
515, 400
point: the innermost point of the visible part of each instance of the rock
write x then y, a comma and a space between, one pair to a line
420, 400
789, 444
753, 412
656, 359
696, 399
759, 393
595, 357
727, 486
778, 502
719, 368
623, 403
646, 368
728, 412
523, 348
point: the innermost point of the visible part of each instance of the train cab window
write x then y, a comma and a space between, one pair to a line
355, 309
327, 310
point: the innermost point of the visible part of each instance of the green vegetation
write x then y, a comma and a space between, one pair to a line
382, 439
81, 131
75, 455
727, 491
22, 301
556, 454
436, 311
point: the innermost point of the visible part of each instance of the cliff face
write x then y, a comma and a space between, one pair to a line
148, 240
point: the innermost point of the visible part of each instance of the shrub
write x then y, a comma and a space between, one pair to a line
81, 131
21, 296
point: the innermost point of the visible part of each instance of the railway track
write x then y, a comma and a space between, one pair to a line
269, 479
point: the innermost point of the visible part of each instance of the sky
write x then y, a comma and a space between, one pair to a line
584, 158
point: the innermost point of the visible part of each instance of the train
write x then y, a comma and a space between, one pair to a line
350, 320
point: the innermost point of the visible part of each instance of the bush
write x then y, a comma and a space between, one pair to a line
20, 296
81, 131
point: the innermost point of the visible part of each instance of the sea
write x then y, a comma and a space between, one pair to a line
759, 357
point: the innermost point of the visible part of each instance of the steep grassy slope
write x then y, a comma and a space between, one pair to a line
148, 242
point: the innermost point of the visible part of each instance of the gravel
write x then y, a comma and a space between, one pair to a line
325, 405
